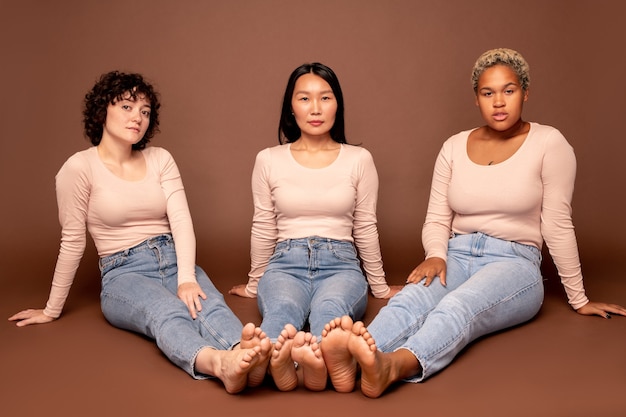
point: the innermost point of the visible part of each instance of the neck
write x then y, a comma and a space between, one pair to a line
113, 152
315, 143
517, 129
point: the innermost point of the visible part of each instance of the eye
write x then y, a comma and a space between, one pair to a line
487, 94
146, 113
126, 107
326, 98
303, 99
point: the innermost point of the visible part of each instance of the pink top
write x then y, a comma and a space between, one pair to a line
119, 214
526, 199
336, 202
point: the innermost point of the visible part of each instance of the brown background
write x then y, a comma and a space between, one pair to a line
221, 68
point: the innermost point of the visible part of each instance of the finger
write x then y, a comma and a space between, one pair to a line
415, 275
21, 315
442, 277
25, 322
428, 280
191, 307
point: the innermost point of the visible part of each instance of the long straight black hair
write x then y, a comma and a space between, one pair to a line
288, 130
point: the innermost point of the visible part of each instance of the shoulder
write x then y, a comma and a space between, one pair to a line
158, 156
458, 141
357, 152
274, 152
548, 136
80, 161
157, 152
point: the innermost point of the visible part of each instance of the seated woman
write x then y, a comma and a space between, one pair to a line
315, 202
132, 200
498, 192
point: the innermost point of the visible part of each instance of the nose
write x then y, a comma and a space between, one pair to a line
498, 100
136, 116
316, 107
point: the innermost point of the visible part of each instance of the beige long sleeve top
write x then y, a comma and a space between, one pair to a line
119, 214
526, 199
336, 202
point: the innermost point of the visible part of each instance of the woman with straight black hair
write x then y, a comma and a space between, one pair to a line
314, 224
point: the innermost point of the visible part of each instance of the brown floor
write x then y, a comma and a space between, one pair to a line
560, 364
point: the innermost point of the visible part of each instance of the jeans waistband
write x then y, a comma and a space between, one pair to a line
480, 242
147, 244
312, 241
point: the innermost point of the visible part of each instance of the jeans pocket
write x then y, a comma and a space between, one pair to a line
111, 262
529, 253
278, 253
345, 252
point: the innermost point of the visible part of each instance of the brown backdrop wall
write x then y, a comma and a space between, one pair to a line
221, 67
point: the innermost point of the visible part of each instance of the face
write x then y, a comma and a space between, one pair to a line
500, 97
314, 106
127, 120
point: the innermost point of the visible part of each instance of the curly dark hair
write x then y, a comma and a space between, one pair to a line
110, 88
288, 130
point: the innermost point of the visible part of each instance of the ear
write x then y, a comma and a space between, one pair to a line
526, 95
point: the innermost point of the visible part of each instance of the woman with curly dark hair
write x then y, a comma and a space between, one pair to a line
132, 200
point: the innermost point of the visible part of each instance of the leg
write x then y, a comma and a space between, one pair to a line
505, 289
284, 293
139, 294
336, 295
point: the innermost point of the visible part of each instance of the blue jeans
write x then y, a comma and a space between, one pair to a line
492, 284
311, 278
139, 287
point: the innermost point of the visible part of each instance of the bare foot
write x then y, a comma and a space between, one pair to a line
230, 366
379, 370
339, 361
306, 351
281, 366
252, 336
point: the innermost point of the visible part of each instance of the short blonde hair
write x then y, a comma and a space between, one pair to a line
502, 56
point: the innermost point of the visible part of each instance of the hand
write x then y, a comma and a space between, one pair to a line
601, 309
190, 293
428, 270
30, 316
240, 290
394, 290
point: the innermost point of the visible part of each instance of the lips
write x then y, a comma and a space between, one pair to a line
500, 116
315, 123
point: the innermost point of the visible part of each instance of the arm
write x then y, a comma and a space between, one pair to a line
558, 177
438, 223
264, 228
365, 230
189, 291
73, 187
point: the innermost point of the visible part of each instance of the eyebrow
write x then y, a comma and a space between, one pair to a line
505, 86
134, 101
308, 92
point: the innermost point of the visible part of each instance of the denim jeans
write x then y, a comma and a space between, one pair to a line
492, 284
139, 287
311, 278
